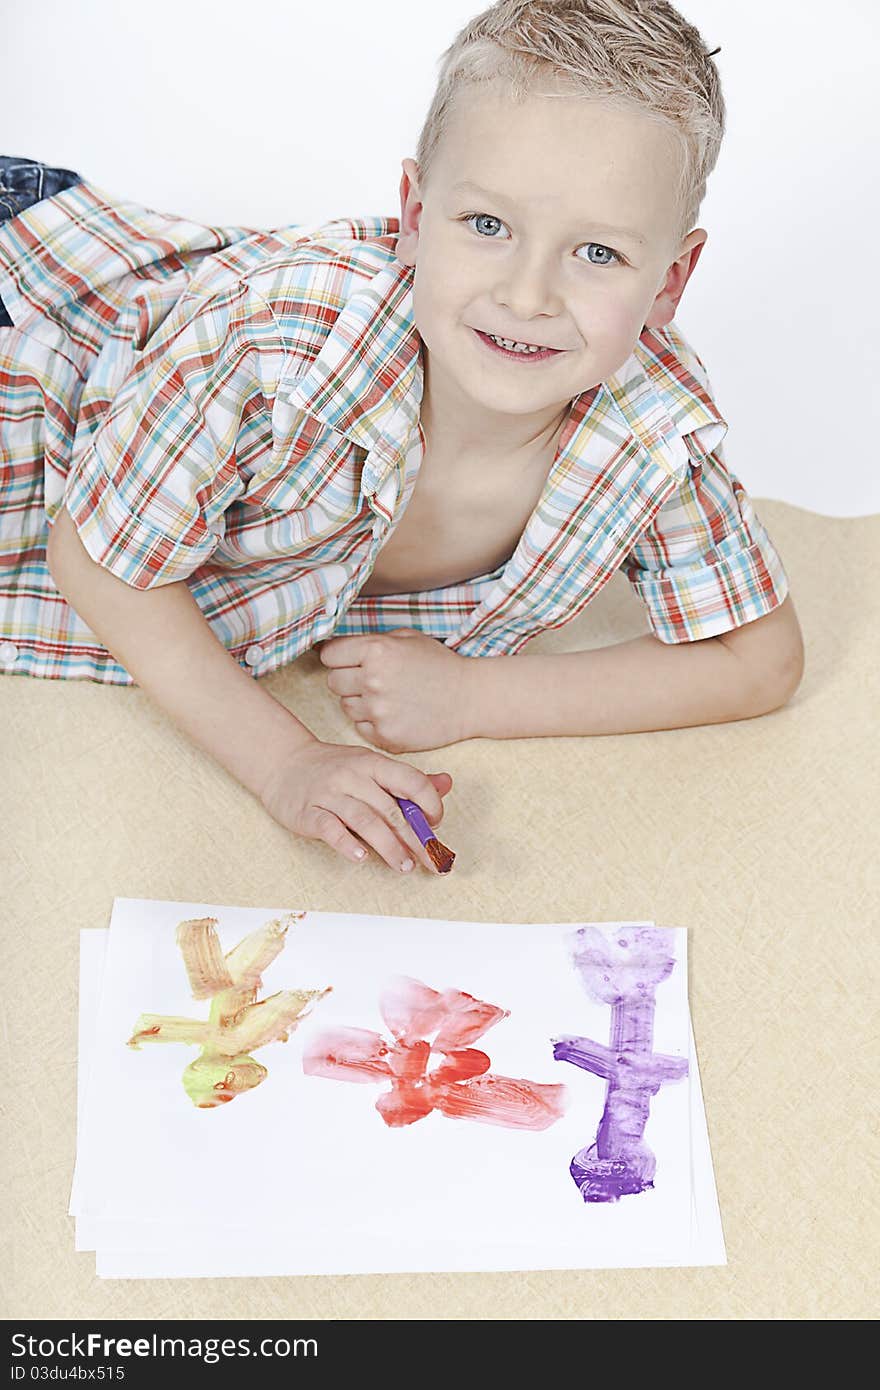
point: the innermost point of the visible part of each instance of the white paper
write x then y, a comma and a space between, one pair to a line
131, 1250
92, 956
709, 1236
303, 1176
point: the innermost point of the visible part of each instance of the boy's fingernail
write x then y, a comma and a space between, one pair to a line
407, 865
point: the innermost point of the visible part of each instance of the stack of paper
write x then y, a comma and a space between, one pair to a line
273, 1091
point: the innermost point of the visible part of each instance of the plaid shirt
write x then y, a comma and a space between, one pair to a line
239, 409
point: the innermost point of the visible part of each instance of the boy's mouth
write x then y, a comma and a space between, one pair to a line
520, 353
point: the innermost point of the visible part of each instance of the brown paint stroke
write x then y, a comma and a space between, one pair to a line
238, 1023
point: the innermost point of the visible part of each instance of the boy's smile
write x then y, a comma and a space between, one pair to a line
517, 351
549, 224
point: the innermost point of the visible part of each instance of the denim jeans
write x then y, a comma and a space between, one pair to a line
24, 182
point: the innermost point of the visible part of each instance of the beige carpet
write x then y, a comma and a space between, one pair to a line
760, 837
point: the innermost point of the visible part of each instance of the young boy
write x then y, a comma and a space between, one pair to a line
416, 443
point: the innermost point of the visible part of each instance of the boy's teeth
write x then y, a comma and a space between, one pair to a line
511, 345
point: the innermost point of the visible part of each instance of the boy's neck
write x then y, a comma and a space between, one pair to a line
454, 426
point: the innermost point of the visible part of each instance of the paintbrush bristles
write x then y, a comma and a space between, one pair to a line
441, 857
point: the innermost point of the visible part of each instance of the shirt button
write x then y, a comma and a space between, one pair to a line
254, 655
331, 605
8, 652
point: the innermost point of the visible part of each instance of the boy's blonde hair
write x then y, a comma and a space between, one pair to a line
636, 55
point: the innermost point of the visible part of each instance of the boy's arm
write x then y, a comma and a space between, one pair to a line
161, 637
641, 685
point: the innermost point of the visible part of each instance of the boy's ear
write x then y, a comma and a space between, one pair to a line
410, 213
665, 306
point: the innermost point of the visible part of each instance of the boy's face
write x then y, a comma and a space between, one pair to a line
531, 258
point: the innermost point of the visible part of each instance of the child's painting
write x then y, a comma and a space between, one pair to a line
425, 1024
623, 970
239, 1021
428, 1095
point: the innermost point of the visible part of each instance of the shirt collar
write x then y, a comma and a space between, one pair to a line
664, 403
367, 381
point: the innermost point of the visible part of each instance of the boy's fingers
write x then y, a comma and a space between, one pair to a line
329, 828
345, 680
342, 651
392, 813
443, 782
352, 707
402, 779
367, 818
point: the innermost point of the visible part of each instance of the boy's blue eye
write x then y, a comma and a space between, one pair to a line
488, 217
483, 217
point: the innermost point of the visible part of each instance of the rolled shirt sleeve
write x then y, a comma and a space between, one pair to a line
705, 565
149, 489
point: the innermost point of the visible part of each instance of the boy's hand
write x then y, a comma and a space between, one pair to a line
326, 791
402, 690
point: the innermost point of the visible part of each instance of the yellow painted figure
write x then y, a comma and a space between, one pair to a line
238, 1023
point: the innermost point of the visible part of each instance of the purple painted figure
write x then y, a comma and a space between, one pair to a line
624, 971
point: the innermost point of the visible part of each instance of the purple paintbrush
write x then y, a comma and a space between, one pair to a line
441, 857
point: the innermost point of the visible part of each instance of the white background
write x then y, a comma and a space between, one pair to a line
270, 114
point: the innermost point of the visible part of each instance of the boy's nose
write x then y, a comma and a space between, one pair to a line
527, 297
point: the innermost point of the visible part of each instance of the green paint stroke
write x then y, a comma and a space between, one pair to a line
238, 1023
